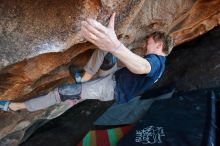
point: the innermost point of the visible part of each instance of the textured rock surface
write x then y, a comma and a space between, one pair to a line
48, 32
16, 127
39, 39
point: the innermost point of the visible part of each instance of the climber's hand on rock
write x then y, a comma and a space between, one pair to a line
103, 37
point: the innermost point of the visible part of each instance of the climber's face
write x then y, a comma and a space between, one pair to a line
152, 46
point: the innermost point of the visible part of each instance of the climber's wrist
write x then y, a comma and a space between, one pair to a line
116, 47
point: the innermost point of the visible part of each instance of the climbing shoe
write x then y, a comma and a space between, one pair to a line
4, 105
75, 71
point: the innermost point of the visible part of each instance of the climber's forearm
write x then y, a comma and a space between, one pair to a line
132, 61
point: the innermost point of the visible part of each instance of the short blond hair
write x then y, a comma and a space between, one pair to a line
165, 39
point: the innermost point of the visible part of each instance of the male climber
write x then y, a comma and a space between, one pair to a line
121, 85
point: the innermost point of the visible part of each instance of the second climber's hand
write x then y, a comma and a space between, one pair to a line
103, 37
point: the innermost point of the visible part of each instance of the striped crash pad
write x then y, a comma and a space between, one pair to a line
106, 137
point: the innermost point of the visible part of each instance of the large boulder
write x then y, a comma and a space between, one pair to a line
40, 38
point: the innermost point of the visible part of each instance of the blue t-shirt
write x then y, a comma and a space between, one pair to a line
130, 85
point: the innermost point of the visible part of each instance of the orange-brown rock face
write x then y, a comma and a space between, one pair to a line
40, 38
202, 17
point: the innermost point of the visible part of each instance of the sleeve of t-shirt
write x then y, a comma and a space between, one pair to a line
155, 64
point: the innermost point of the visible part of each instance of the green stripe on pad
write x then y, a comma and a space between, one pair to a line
112, 137
86, 140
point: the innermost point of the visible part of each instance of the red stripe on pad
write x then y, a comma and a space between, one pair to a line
126, 129
102, 138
